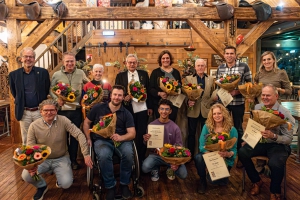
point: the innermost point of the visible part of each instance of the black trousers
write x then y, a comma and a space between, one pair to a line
76, 118
141, 124
277, 154
237, 112
192, 127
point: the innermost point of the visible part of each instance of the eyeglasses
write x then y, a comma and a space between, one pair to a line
166, 109
50, 110
132, 63
31, 57
267, 59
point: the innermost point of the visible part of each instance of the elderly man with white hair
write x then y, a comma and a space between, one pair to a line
97, 73
202, 105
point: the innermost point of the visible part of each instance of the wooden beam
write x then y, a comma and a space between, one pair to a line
82, 13
3, 51
14, 38
29, 27
38, 36
252, 36
207, 35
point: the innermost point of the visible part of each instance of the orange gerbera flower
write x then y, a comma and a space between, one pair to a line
85, 97
95, 94
175, 83
58, 91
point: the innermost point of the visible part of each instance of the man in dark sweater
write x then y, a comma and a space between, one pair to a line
172, 135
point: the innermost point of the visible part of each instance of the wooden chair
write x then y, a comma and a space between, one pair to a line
266, 159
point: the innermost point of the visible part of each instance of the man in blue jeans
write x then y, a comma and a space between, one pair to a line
172, 135
105, 148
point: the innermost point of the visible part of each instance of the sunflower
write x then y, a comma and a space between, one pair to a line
168, 145
37, 156
169, 87
45, 153
21, 157
190, 88
58, 91
71, 97
85, 97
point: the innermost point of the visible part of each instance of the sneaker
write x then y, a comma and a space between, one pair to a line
110, 193
40, 193
154, 175
170, 174
56, 184
126, 193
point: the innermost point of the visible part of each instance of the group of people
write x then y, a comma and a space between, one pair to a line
50, 122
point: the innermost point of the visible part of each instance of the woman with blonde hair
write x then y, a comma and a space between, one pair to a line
218, 121
269, 73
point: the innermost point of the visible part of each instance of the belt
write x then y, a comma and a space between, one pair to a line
32, 109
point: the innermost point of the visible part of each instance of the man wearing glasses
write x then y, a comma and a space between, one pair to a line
172, 135
29, 86
51, 130
140, 116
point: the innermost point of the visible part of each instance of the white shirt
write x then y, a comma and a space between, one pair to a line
134, 75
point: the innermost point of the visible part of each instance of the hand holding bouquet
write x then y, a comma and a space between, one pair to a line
65, 92
137, 91
170, 86
192, 91
106, 127
219, 141
29, 157
228, 81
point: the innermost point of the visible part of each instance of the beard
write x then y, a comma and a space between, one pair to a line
116, 104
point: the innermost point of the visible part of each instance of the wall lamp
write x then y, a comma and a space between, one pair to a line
108, 33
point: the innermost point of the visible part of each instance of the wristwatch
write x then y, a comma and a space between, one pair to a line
274, 137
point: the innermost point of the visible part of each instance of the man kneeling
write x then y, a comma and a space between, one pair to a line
51, 130
172, 135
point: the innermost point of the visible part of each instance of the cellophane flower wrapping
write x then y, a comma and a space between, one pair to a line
250, 91
219, 141
65, 92
228, 81
174, 154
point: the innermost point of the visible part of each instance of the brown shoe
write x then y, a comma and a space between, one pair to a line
256, 188
275, 197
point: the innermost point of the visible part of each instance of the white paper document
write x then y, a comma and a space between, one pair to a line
70, 106
177, 100
216, 165
138, 106
252, 134
157, 136
225, 96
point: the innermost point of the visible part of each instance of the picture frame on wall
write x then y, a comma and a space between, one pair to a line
216, 60
213, 72
206, 60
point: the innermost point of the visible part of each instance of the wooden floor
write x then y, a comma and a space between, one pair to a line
12, 186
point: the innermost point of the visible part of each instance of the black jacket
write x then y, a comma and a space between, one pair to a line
42, 82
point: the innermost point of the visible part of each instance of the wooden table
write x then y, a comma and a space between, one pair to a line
5, 104
294, 108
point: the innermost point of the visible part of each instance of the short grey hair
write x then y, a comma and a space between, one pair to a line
200, 59
27, 49
49, 102
133, 56
98, 66
271, 86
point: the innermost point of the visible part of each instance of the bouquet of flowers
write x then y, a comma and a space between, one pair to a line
29, 157
91, 98
228, 81
193, 91
106, 127
137, 91
270, 118
65, 92
170, 86
219, 141
250, 91
175, 154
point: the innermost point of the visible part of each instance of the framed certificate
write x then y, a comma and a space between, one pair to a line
252, 133
216, 165
157, 136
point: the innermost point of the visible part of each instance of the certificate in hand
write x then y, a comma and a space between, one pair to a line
253, 133
157, 136
224, 96
177, 100
216, 165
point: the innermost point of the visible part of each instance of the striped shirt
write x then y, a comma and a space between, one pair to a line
245, 73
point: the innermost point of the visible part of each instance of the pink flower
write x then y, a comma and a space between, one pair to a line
164, 80
35, 147
101, 123
135, 89
221, 137
37, 156
281, 115
188, 153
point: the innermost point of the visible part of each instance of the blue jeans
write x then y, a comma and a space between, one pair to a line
153, 162
104, 150
60, 166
